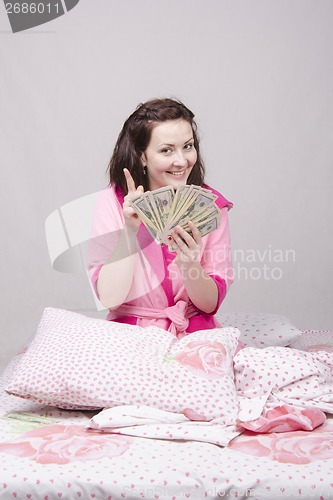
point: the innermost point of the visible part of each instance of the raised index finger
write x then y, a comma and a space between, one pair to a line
129, 180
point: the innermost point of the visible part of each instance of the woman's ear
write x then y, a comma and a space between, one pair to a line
143, 160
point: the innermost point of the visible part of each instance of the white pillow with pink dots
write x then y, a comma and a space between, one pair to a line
261, 329
76, 362
314, 340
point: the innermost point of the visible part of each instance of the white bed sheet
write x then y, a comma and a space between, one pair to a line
46, 453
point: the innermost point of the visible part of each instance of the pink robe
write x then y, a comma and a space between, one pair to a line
157, 295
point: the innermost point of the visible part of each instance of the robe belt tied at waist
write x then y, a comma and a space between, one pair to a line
178, 314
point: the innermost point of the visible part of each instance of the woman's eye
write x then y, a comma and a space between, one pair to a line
189, 146
166, 150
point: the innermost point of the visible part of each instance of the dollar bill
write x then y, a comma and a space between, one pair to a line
161, 202
197, 202
141, 207
163, 199
163, 209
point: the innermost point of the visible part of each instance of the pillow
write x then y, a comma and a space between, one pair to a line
76, 362
314, 340
261, 329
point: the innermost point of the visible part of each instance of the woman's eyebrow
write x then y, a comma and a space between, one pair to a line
169, 144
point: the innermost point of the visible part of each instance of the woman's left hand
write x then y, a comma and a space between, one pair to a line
187, 246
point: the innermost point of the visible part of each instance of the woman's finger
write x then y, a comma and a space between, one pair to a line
181, 236
195, 232
129, 180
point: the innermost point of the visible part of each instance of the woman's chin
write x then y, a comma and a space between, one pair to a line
177, 184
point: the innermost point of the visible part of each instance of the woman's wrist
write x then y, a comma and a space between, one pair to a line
130, 236
131, 228
201, 287
191, 269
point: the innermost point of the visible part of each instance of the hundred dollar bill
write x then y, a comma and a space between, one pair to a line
206, 221
179, 200
206, 227
196, 204
161, 201
142, 208
162, 209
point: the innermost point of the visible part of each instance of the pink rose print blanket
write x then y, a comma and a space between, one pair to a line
281, 445
279, 389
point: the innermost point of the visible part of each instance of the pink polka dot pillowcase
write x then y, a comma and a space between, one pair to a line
261, 329
76, 362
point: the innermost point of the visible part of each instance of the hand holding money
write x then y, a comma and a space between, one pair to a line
161, 210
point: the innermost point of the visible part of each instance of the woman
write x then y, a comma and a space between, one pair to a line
138, 280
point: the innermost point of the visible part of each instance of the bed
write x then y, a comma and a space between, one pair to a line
280, 446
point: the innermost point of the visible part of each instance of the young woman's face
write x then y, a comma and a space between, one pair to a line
170, 155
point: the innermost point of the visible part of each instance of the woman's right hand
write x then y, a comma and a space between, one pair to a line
132, 220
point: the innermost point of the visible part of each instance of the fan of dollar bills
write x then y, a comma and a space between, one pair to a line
163, 209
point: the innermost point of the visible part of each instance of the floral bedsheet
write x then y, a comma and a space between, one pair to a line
47, 453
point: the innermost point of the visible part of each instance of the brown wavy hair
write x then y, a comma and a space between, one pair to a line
134, 139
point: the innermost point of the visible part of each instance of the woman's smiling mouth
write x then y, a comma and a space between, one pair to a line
177, 173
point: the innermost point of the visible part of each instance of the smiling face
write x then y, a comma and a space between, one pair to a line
170, 155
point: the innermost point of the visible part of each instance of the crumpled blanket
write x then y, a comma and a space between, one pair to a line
275, 376
150, 422
279, 390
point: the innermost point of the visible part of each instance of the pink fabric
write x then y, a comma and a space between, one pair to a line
158, 295
60, 444
286, 418
178, 314
221, 201
299, 447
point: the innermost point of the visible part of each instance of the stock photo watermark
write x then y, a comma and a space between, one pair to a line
178, 492
266, 264
246, 264
181, 492
24, 15
74, 248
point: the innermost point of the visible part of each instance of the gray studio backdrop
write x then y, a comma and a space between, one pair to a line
259, 76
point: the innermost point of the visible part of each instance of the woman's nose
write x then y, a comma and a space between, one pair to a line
179, 160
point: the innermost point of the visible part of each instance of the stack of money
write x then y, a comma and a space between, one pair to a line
163, 209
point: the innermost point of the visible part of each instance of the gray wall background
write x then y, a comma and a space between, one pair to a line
259, 76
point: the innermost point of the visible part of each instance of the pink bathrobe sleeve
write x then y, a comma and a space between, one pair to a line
107, 227
157, 295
